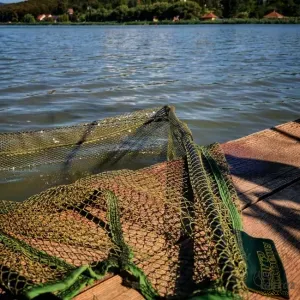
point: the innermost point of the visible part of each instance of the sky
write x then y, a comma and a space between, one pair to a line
10, 1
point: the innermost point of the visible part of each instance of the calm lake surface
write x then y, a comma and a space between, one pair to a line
226, 81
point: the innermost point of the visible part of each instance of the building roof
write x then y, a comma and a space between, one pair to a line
70, 11
44, 16
209, 16
274, 15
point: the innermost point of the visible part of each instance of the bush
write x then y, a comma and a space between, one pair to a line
186, 10
161, 10
28, 18
243, 15
119, 14
101, 15
63, 18
82, 18
49, 20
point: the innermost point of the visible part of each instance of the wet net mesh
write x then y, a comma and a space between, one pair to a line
131, 195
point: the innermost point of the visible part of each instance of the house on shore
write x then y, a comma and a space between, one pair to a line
43, 17
209, 17
176, 19
70, 11
274, 15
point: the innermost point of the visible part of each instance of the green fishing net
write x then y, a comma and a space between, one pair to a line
130, 195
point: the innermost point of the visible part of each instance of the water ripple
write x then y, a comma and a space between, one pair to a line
225, 81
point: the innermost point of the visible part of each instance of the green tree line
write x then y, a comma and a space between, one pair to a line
141, 10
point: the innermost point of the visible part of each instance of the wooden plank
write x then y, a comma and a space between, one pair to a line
108, 290
131, 294
264, 162
278, 218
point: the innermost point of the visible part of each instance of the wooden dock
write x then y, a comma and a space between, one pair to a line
265, 167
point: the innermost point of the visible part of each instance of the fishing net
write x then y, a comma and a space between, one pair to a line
130, 195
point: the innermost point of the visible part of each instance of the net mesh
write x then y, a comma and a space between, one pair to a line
132, 195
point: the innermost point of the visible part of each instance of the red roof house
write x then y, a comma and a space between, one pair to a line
209, 16
274, 15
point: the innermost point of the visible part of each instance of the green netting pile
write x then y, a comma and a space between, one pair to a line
130, 195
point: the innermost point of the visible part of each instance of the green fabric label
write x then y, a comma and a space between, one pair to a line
265, 272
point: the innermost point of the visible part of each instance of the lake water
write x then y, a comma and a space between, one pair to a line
226, 81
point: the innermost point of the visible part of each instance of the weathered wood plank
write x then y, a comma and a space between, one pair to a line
108, 290
130, 295
265, 161
278, 218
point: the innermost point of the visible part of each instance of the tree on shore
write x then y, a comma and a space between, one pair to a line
131, 10
61, 7
28, 18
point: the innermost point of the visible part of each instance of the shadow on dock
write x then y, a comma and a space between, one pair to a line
274, 205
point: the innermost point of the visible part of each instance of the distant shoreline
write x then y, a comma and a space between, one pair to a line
168, 22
